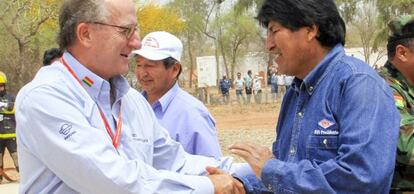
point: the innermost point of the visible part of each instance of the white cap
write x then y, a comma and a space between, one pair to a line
160, 45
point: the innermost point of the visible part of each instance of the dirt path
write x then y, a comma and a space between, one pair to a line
254, 123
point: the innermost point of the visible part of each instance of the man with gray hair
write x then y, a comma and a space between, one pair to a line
82, 129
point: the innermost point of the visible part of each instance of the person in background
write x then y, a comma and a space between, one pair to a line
288, 81
7, 125
399, 74
257, 88
51, 55
239, 85
187, 120
82, 129
225, 85
281, 85
248, 81
338, 125
273, 85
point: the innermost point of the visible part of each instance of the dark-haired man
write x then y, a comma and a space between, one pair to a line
338, 125
51, 55
186, 118
399, 73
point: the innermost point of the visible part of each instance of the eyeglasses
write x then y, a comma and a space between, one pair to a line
128, 31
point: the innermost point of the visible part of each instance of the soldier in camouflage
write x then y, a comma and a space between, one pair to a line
399, 73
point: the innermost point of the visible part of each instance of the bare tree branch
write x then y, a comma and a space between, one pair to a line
19, 11
9, 6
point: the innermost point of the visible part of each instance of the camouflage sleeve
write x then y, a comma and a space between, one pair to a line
405, 142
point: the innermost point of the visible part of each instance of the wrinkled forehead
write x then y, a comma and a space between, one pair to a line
121, 11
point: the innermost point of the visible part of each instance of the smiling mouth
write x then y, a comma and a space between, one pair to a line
124, 55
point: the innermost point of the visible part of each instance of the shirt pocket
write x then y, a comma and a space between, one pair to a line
321, 148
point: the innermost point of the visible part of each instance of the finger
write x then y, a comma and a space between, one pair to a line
214, 170
247, 146
239, 186
211, 170
243, 145
247, 156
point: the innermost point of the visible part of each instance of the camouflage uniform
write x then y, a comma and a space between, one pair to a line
404, 100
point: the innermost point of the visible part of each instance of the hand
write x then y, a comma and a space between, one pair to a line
255, 155
223, 182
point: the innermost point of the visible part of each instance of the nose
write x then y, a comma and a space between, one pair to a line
135, 41
270, 42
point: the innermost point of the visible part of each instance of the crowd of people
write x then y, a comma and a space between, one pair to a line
254, 85
342, 128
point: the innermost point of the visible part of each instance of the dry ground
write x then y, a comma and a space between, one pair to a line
254, 123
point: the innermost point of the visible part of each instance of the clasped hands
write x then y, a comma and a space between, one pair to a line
255, 155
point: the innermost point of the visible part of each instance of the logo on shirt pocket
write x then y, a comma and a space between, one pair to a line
326, 127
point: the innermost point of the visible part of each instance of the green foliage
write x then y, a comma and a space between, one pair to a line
238, 31
26, 28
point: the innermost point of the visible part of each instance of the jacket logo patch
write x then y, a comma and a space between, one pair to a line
66, 131
325, 123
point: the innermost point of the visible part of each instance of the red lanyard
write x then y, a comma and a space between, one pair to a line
115, 140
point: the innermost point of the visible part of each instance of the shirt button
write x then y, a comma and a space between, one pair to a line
300, 114
325, 142
311, 89
269, 186
292, 151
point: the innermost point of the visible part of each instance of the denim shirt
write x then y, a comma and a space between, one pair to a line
337, 131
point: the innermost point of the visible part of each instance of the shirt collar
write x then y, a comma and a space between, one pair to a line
94, 84
312, 80
166, 99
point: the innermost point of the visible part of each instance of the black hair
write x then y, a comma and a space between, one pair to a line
403, 39
295, 14
50, 55
169, 62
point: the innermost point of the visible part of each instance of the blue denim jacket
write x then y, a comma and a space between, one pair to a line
337, 132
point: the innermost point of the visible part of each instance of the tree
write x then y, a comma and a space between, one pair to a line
153, 17
20, 22
365, 22
197, 15
239, 31
387, 11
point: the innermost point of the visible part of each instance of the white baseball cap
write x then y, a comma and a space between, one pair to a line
160, 45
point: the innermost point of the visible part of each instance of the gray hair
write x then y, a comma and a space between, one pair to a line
74, 12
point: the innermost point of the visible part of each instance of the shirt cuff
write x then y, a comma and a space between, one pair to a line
202, 184
241, 169
270, 173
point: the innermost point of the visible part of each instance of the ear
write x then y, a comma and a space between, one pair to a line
313, 32
401, 53
176, 68
84, 35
